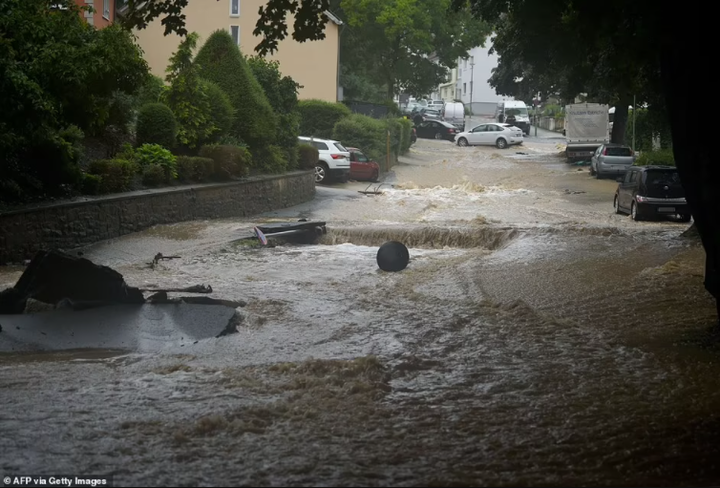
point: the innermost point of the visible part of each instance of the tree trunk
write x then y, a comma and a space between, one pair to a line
697, 166
620, 120
391, 89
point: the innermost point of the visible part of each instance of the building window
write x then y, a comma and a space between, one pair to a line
235, 33
106, 9
464, 88
234, 8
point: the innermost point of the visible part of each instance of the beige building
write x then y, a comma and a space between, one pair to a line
313, 64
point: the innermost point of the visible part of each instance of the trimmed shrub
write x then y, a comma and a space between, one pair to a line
116, 174
192, 169
395, 127
222, 113
270, 159
91, 184
230, 161
221, 62
156, 125
663, 157
151, 91
365, 133
318, 118
308, 156
154, 175
406, 136
154, 154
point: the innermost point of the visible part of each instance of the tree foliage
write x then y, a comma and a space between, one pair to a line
222, 63
59, 78
187, 98
407, 45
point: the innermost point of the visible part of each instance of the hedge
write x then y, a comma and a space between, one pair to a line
230, 161
663, 157
318, 118
270, 159
156, 125
405, 140
195, 169
116, 174
308, 156
222, 63
154, 175
367, 134
222, 112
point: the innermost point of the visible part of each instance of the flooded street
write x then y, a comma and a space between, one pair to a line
536, 338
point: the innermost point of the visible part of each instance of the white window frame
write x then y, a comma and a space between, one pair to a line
106, 9
231, 8
231, 33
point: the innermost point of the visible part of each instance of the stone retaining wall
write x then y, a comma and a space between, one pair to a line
78, 223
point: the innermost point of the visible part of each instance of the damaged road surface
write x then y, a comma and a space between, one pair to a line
62, 302
535, 338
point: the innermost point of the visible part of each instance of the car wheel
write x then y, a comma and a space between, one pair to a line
462, 142
321, 173
634, 212
592, 170
438, 136
685, 217
501, 143
616, 205
598, 175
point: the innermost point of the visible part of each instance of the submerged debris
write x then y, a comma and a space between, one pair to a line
53, 276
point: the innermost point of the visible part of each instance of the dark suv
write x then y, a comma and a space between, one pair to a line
651, 191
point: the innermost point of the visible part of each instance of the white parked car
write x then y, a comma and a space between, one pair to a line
496, 134
334, 163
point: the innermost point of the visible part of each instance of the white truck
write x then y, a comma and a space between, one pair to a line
587, 127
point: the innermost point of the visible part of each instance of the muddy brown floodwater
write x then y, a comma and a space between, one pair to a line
535, 339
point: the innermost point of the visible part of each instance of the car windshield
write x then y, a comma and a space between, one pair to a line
618, 151
432, 112
360, 157
516, 111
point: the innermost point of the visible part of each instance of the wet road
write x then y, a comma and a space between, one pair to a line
535, 339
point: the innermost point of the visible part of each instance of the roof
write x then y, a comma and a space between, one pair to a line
319, 139
514, 103
332, 17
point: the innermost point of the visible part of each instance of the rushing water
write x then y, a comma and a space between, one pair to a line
535, 339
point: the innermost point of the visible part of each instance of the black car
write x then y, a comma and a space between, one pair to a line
651, 191
436, 129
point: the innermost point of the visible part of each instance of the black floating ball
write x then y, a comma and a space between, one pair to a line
393, 256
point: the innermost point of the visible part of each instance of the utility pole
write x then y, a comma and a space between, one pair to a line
537, 99
634, 110
472, 77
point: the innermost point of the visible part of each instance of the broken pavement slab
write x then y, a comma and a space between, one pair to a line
135, 328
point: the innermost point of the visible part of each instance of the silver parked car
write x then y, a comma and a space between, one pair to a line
611, 159
500, 135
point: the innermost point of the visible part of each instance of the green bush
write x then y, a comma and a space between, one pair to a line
187, 98
365, 133
151, 91
156, 125
270, 159
318, 118
395, 127
405, 140
308, 156
154, 175
230, 161
221, 62
154, 154
91, 184
663, 157
222, 112
116, 174
195, 169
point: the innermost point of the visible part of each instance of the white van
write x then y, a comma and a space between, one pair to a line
454, 113
516, 109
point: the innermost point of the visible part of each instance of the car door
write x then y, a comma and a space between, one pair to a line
423, 129
630, 183
362, 165
476, 135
